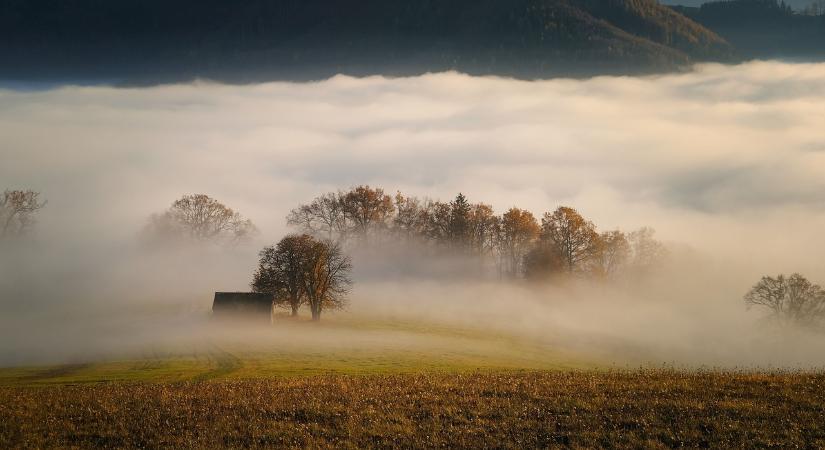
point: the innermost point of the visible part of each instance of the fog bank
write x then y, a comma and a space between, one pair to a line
726, 162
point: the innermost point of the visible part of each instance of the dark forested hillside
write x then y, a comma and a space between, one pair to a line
763, 28
248, 40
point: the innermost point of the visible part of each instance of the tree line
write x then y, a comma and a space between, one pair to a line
561, 242
312, 268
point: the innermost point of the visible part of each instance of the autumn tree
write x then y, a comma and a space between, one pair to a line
792, 298
17, 210
325, 276
367, 209
542, 262
280, 271
519, 229
200, 218
484, 229
612, 254
573, 238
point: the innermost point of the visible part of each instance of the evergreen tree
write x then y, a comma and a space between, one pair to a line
460, 222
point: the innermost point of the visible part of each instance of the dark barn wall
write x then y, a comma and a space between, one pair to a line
243, 305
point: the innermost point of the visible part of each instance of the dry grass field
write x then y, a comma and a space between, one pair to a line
502, 409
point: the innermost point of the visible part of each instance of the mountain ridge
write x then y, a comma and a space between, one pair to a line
254, 40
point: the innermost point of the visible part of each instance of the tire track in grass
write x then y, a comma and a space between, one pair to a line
225, 364
53, 374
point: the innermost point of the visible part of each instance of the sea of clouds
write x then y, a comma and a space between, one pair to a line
725, 162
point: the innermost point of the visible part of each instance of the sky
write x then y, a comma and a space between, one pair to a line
725, 162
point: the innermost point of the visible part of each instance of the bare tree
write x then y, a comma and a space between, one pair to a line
519, 230
574, 238
324, 216
410, 219
645, 251
792, 298
201, 218
326, 277
17, 209
280, 271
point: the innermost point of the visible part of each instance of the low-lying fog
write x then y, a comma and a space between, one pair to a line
725, 162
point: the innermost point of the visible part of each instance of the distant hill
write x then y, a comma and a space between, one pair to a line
250, 40
763, 28
797, 5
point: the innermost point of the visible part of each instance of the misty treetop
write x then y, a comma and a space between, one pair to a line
17, 211
515, 242
792, 299
198, 217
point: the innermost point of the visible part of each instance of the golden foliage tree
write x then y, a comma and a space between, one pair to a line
572, 236
519, 230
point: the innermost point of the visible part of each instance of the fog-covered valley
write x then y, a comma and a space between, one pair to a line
724, 162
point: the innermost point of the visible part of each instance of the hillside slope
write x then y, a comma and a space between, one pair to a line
763, 28
288, 39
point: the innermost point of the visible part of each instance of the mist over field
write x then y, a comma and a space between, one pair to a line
725, 162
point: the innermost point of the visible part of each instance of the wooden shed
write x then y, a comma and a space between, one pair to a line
250, 306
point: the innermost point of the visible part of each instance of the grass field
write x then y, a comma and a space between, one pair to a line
340, 345
355, 383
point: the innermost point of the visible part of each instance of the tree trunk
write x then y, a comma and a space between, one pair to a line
295, 309
316, 312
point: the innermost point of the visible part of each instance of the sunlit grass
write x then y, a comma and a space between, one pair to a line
341, 344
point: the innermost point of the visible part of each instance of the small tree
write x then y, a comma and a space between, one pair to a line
302, 269
17, 209
326, 276
792, 298
280, 271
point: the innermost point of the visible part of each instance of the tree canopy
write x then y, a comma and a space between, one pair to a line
514, 241
199, 217
792, 298
301, 269
17, 211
